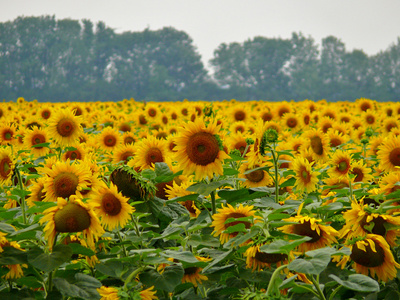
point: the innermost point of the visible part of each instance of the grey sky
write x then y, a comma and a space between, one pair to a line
370, 25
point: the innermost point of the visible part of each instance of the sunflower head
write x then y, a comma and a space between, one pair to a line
131, 184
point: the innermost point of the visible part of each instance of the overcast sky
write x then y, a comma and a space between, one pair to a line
370, 25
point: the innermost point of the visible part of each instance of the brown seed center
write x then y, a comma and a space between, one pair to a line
65, 127
304, 229
316, 145
368, 258
270, 258
154, 155
5, 167
394, 156
202, 148
65, 184
111, 205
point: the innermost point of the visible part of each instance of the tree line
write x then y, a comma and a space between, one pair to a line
75, 60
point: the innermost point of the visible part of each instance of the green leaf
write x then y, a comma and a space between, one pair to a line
313, 266
167, 281
79, 249
71, 290
241, 195
29, 281
205, 189
196, 240
184, 256
230, 171
113, 268
33, 227
40, 207
290, 182
240, 227
7, 228
12, 256
49, 262
218, 259
358, 282
282, 246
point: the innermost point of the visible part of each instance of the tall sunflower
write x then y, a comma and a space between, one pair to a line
222, 220
77, 153
372, 256
361, 172
64, 127
179, 189
37, 193
7, 165
389, 154
306, 178
123, 153
109, 139
65, 179
8, 133
111, 207
71, 216
199, 150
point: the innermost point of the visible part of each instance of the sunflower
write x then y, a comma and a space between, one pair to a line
65, 179
148, 294
258, 260
221, 220
325, 123
388, 124
321, 235
7, 165
64, 127
35, 137
340, 164
306, 178
8, 133
199, 150
336, 138
178, 188
319, 144
111, 206
78, 153
238, 127
37, 193
389, 154
238, 113
361, 172
45, 111
370, 118
371, 256
360, 222
364, 104
193, 274
129, 138
390, 183
71, 216
108, 293
14, 271
256, 178
149, 151
109, 139
282, 108
123, 153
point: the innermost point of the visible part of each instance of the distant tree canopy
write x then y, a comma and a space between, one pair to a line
69, 60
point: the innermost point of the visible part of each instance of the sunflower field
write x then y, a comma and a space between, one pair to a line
200, 200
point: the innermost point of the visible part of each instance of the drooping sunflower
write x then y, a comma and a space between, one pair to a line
32, 140
111, 207
360, 222
199, 150
340, 164
149, 151
258, 260
225, 213
65, 179
14, 271
321, 235
372, 256
256, 178
306, 178
71, 216
178, 188
65, 128
109, 139
193, 274
318, 142
7, 165
389, 154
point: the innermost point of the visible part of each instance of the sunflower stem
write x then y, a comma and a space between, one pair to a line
316, 284
334, 292
132, 277
213, 205
272, 280
276, 179
122, 244
21, 201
